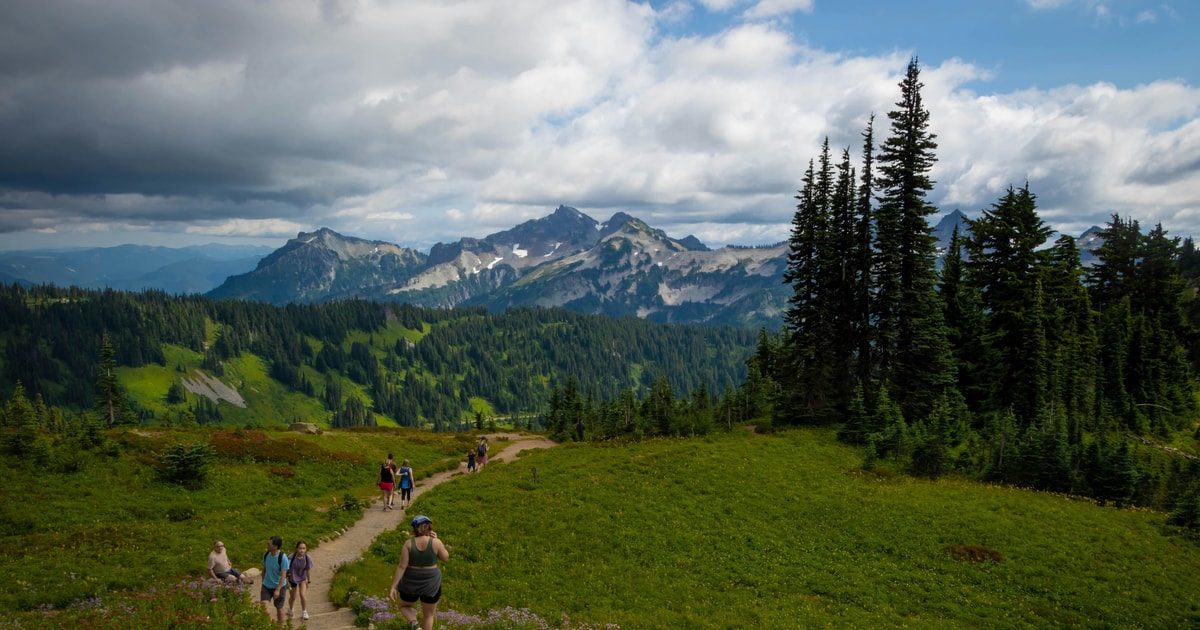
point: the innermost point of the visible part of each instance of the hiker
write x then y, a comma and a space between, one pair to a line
471, 461
387, 481
301, 565
481, 450
220, 568
418, 576
406, 485
274, 588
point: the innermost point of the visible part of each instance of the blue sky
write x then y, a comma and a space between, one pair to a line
1023, 44
171, 122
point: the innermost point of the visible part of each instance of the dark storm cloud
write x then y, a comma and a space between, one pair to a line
168, 99
57, 40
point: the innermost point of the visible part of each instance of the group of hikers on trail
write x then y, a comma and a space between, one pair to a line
417, 576
283, 576
389, 473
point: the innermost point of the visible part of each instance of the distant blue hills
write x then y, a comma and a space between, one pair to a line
182, 270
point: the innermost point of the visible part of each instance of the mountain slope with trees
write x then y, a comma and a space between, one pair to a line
343, 364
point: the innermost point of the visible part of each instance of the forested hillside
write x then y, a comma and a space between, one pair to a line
1012, 362
346, 363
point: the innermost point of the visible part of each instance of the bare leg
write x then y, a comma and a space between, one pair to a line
428, 612
410, 613
303, 588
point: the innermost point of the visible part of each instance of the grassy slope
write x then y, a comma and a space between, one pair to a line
268, 403
109, 526
785, 531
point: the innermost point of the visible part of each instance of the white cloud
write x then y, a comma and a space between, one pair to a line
420, 121
770, 8
235, 227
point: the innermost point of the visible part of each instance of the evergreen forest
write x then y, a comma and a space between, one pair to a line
1010, 361
1001, 359
73, 356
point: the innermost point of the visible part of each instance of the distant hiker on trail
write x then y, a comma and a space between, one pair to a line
301, 565
418, 576
220, 568
406, 485
274, 588
579, 430
481, 450
471, 461
387, 481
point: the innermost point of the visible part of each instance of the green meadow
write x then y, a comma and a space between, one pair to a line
787, 531
99, 522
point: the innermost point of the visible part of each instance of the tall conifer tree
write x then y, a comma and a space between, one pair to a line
914, 357
965, 327
111, 402
864, 262
1006, 265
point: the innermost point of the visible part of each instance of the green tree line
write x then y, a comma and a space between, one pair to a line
1010, 361
62, 347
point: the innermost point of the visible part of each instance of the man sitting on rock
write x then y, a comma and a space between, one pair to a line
221, 569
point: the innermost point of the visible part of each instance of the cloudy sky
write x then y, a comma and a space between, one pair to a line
175, 122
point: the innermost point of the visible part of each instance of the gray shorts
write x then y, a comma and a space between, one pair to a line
268, 595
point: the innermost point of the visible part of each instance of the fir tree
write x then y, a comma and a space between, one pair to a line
914, 357
111, 402
1006, 264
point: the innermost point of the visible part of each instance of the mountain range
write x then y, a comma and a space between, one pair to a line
175, 270
566, 259
621, 267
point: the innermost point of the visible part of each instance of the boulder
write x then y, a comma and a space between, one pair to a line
305, 427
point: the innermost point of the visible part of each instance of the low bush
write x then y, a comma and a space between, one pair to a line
186, 465
194, 604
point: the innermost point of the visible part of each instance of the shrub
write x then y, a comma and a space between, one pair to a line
186, 465
181, 513
351, 503
253, 445
196, 604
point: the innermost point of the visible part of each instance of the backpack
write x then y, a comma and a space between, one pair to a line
481, 449
280, 559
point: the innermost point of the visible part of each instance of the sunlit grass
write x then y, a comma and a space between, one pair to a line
787, 531
115, 525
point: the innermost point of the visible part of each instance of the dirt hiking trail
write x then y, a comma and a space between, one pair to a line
323, 615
